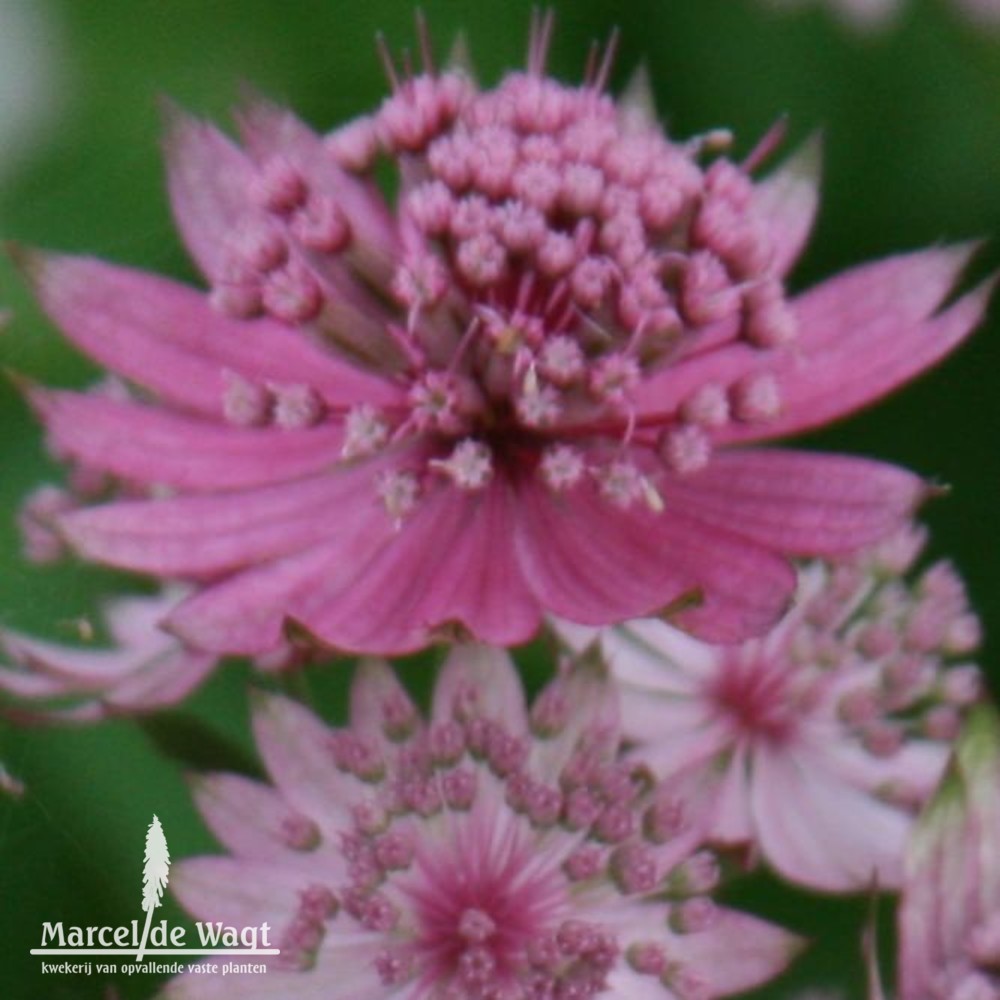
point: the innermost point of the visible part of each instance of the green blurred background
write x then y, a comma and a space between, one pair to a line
911, 118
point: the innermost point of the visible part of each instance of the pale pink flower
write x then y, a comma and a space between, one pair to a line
521, 389
872, 15
10, 785
985, 13
490, 852
863, 15
818, 742
146, 668
949, 916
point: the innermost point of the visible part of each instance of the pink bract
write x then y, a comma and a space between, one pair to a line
523, 388
816, 744
949, 917
145, 670
489, 852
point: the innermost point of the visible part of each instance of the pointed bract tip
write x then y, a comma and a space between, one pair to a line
252, 98
932, 490
970, 247
260, 699
300, 636
25, 385
176, 123
869, 942
196, 780
459, 58
452, 632
590, 661
168, 625
808, 158
983, 292
797, 944
979, 742
687, 601
28, 261
962, 253
637, 99
768, 144
424, 43
268, 710
169, 110
805, 162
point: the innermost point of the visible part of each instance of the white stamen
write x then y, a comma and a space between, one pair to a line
613, 378
707, 406
399, 491
756, 398
562, 467
469, 466
538, 405
435, 400
244, 403
296, 406
365, 432
685, 449
561, 360
621, 483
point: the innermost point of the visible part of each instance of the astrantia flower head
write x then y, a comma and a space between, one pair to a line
489, 852
872, 15
146, 669
949, 917
817, 743
517, 389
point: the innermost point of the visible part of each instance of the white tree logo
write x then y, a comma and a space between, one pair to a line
155, 873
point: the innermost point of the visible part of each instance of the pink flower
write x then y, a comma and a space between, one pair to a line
522, 389
949, 918
817, 743
147, 669
490, 852
985, 13
10, 785
872, 15
863, 15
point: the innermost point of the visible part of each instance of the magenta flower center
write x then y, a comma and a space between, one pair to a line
874, 655
757, 698
477, 913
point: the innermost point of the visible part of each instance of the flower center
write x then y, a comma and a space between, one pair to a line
756, 697
583, 247
477, 915
552, 250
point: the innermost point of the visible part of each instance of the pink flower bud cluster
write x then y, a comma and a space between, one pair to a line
556, 250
